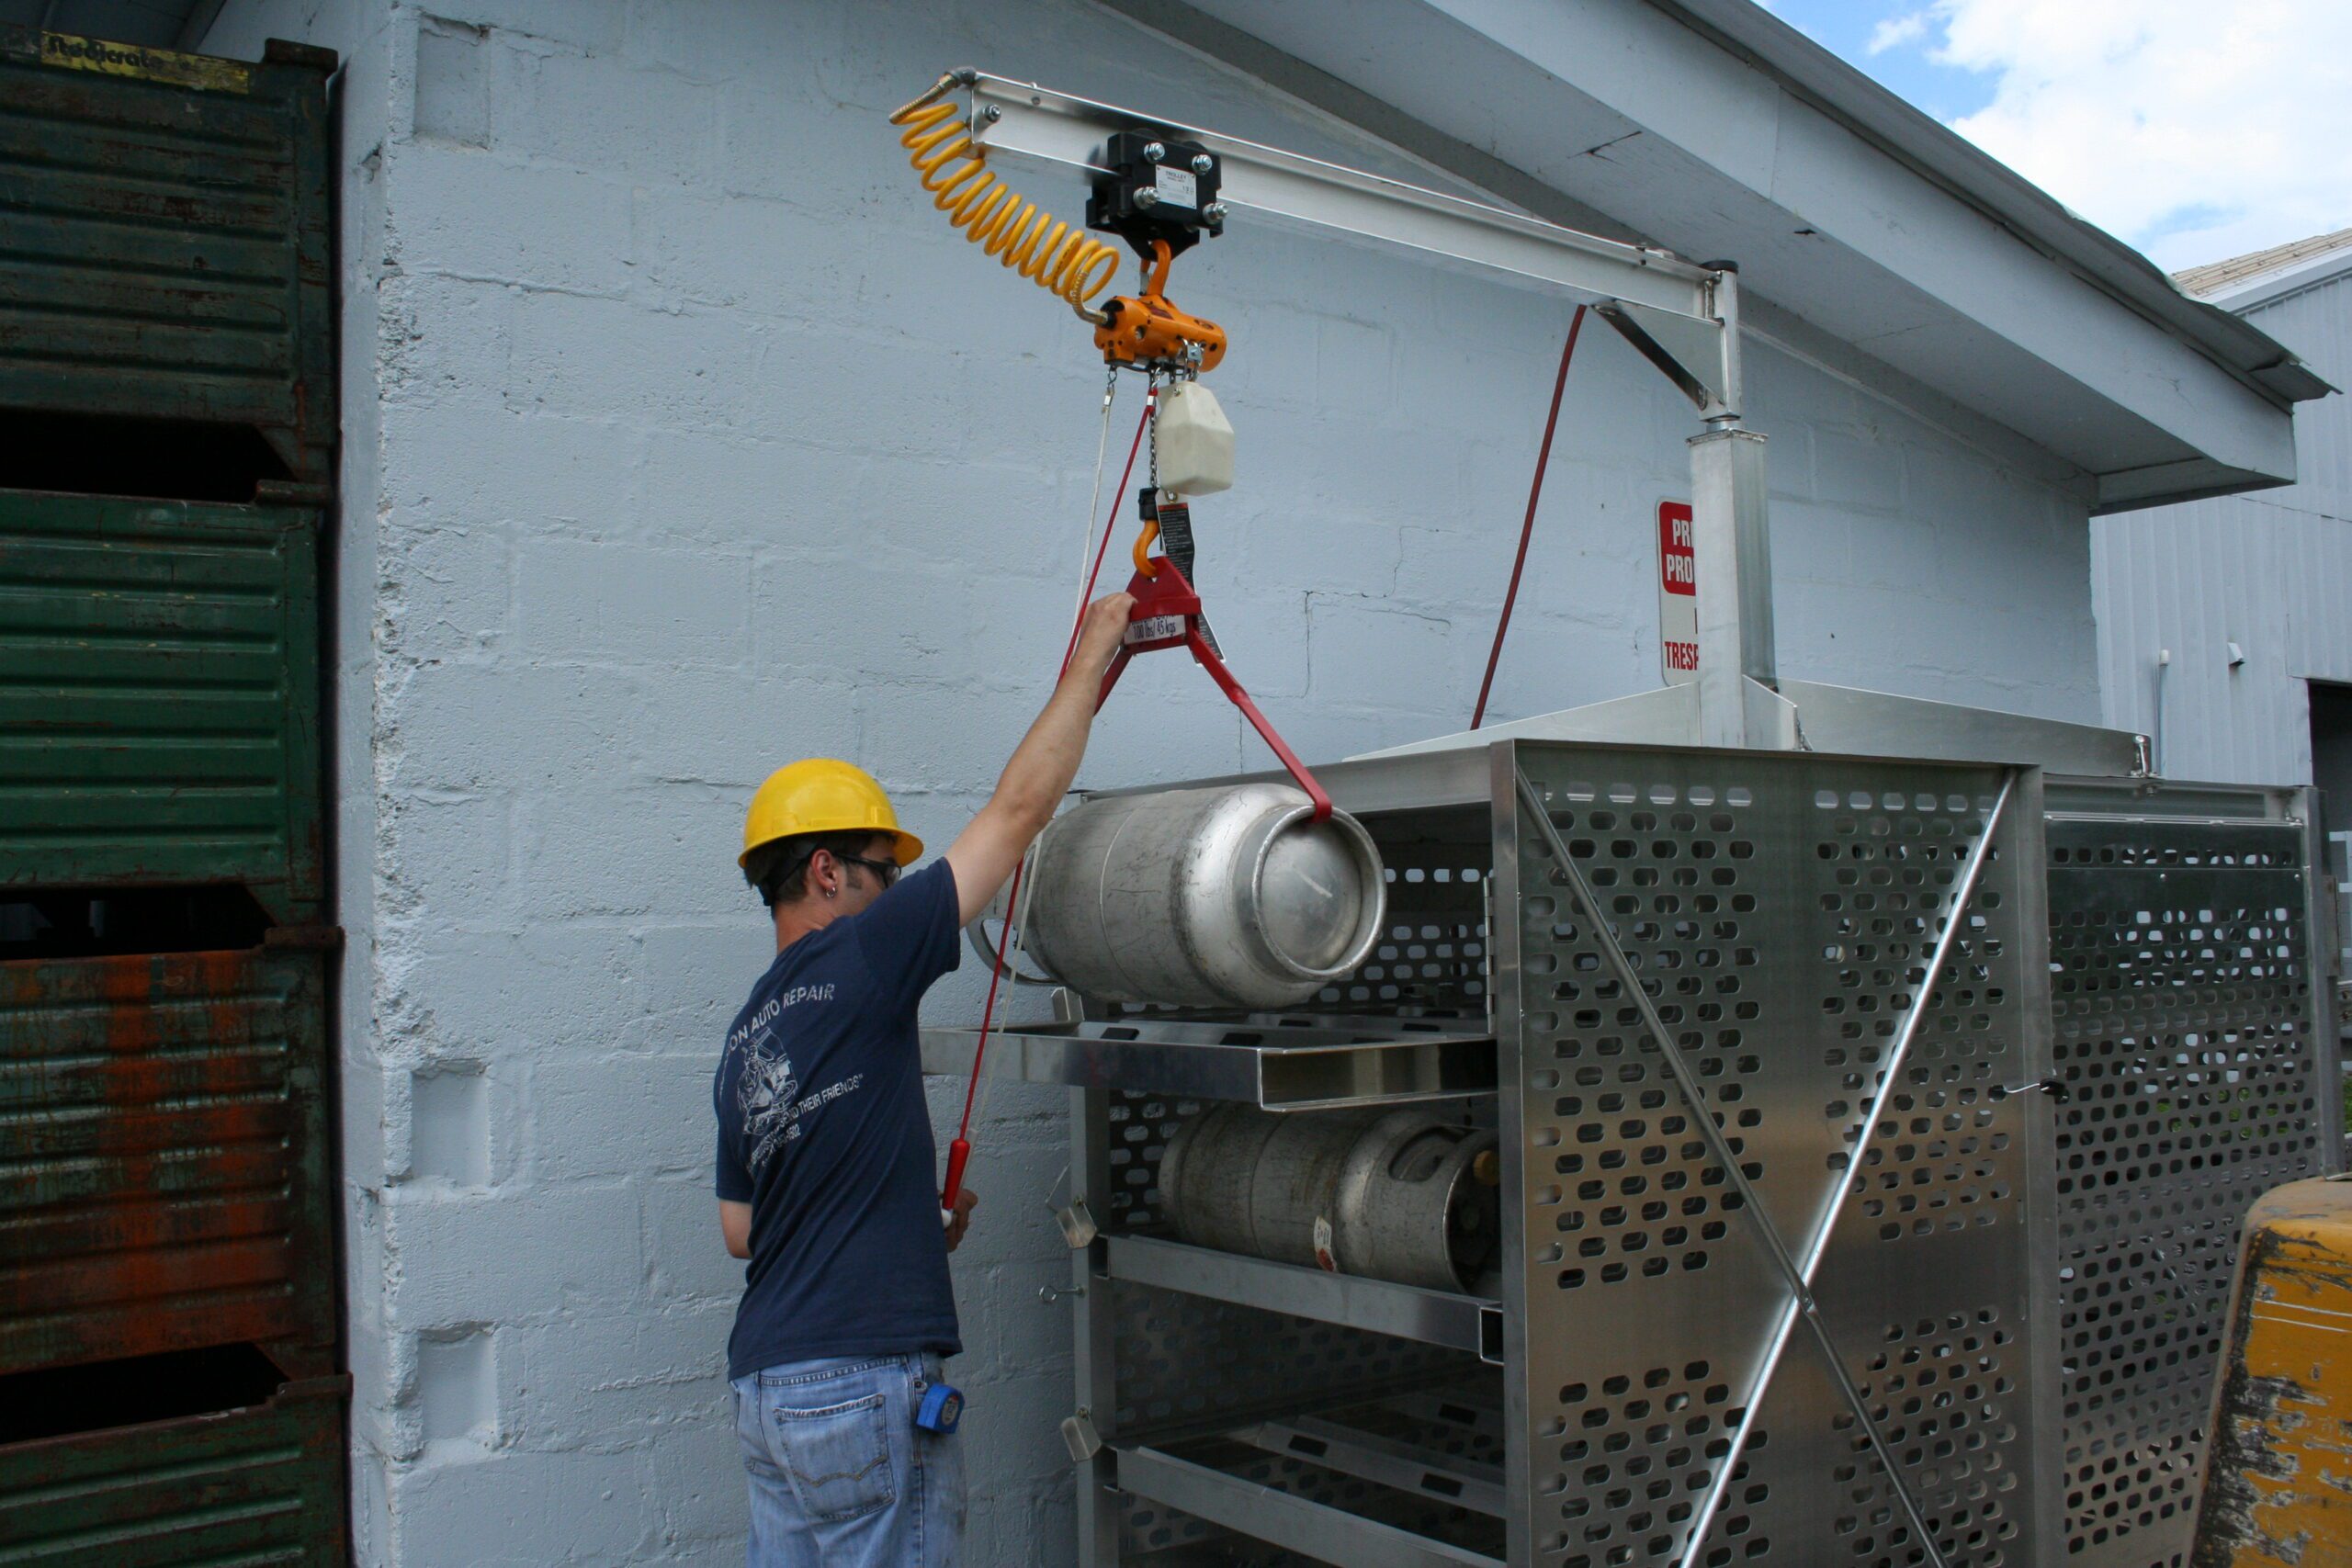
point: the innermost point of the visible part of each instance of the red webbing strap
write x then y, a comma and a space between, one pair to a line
1167, 614
1527, 528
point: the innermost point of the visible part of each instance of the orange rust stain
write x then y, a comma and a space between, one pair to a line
182, 1211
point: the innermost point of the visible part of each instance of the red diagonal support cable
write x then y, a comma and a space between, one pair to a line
1527, 528
960, 1151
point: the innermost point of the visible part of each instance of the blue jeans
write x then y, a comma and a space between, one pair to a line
840, 1476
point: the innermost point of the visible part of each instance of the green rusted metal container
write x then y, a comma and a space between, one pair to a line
166, 235
256, 1483
164, 1174
159, 697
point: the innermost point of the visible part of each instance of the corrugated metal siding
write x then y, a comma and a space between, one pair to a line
159, 696
2271, 571
164, 1171
2317, 324
163, 250
253, 1486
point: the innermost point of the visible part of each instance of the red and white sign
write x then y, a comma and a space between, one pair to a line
1678, 592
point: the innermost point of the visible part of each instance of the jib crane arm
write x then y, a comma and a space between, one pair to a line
1682, 316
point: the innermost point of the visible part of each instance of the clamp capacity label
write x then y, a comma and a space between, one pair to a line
1154, 628
1678, 592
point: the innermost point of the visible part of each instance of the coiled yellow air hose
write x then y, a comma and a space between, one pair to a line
1066, 262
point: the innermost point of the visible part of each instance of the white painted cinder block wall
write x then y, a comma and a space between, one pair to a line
682, 439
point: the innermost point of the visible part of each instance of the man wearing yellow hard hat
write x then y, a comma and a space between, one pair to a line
827, 1170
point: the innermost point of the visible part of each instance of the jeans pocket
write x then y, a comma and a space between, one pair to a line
836, 1458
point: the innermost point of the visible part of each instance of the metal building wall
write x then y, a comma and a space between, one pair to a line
2271, 571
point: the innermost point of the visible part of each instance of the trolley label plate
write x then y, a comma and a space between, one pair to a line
1177, 188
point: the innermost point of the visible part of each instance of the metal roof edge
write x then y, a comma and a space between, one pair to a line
2169, 484
1940, 155
2267, 288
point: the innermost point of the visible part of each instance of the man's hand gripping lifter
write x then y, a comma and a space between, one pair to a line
1167, 614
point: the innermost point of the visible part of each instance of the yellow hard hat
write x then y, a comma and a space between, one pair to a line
817, 794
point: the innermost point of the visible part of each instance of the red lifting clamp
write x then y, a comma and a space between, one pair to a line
1167, 614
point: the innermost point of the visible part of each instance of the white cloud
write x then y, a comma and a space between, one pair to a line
1895, 31
2194, 129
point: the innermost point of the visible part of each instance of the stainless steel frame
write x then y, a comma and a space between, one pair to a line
1843, 719
1988, 1064
1406, 1311
1278, 1062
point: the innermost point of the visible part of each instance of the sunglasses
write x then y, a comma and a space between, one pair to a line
885, 872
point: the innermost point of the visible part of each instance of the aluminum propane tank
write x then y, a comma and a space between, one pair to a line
1218, 898
1397, 1195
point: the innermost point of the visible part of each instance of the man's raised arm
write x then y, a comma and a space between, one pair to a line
1042, 765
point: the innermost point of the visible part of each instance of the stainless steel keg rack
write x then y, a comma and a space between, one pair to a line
1992, 1059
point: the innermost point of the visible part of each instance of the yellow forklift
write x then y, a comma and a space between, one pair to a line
2278, 1479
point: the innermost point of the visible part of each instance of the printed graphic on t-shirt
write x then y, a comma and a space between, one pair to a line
768, 1091
768, 1096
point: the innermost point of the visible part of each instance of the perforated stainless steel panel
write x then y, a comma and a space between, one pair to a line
1432, 958
2182, 991
1782, 910
1138, 1126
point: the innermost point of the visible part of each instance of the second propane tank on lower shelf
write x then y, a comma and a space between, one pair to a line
1400, 1195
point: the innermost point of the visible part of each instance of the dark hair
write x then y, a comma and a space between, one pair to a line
778, 869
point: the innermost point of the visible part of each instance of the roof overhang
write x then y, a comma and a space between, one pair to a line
1871, 241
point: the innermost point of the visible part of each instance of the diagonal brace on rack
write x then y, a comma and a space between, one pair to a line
1833, 1204
1798, 1277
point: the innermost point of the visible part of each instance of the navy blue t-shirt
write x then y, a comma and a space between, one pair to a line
822, 1129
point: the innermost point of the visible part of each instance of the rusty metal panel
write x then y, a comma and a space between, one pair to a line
261, 1483
165, 238
2279, 1486
164, 1179
159, 697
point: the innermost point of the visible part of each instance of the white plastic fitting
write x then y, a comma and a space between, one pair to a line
1194, 441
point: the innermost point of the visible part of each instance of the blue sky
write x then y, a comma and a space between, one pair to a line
2196, 130
1845, 28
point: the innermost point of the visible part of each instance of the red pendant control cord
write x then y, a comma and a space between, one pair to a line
959, 1153
1527, 528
